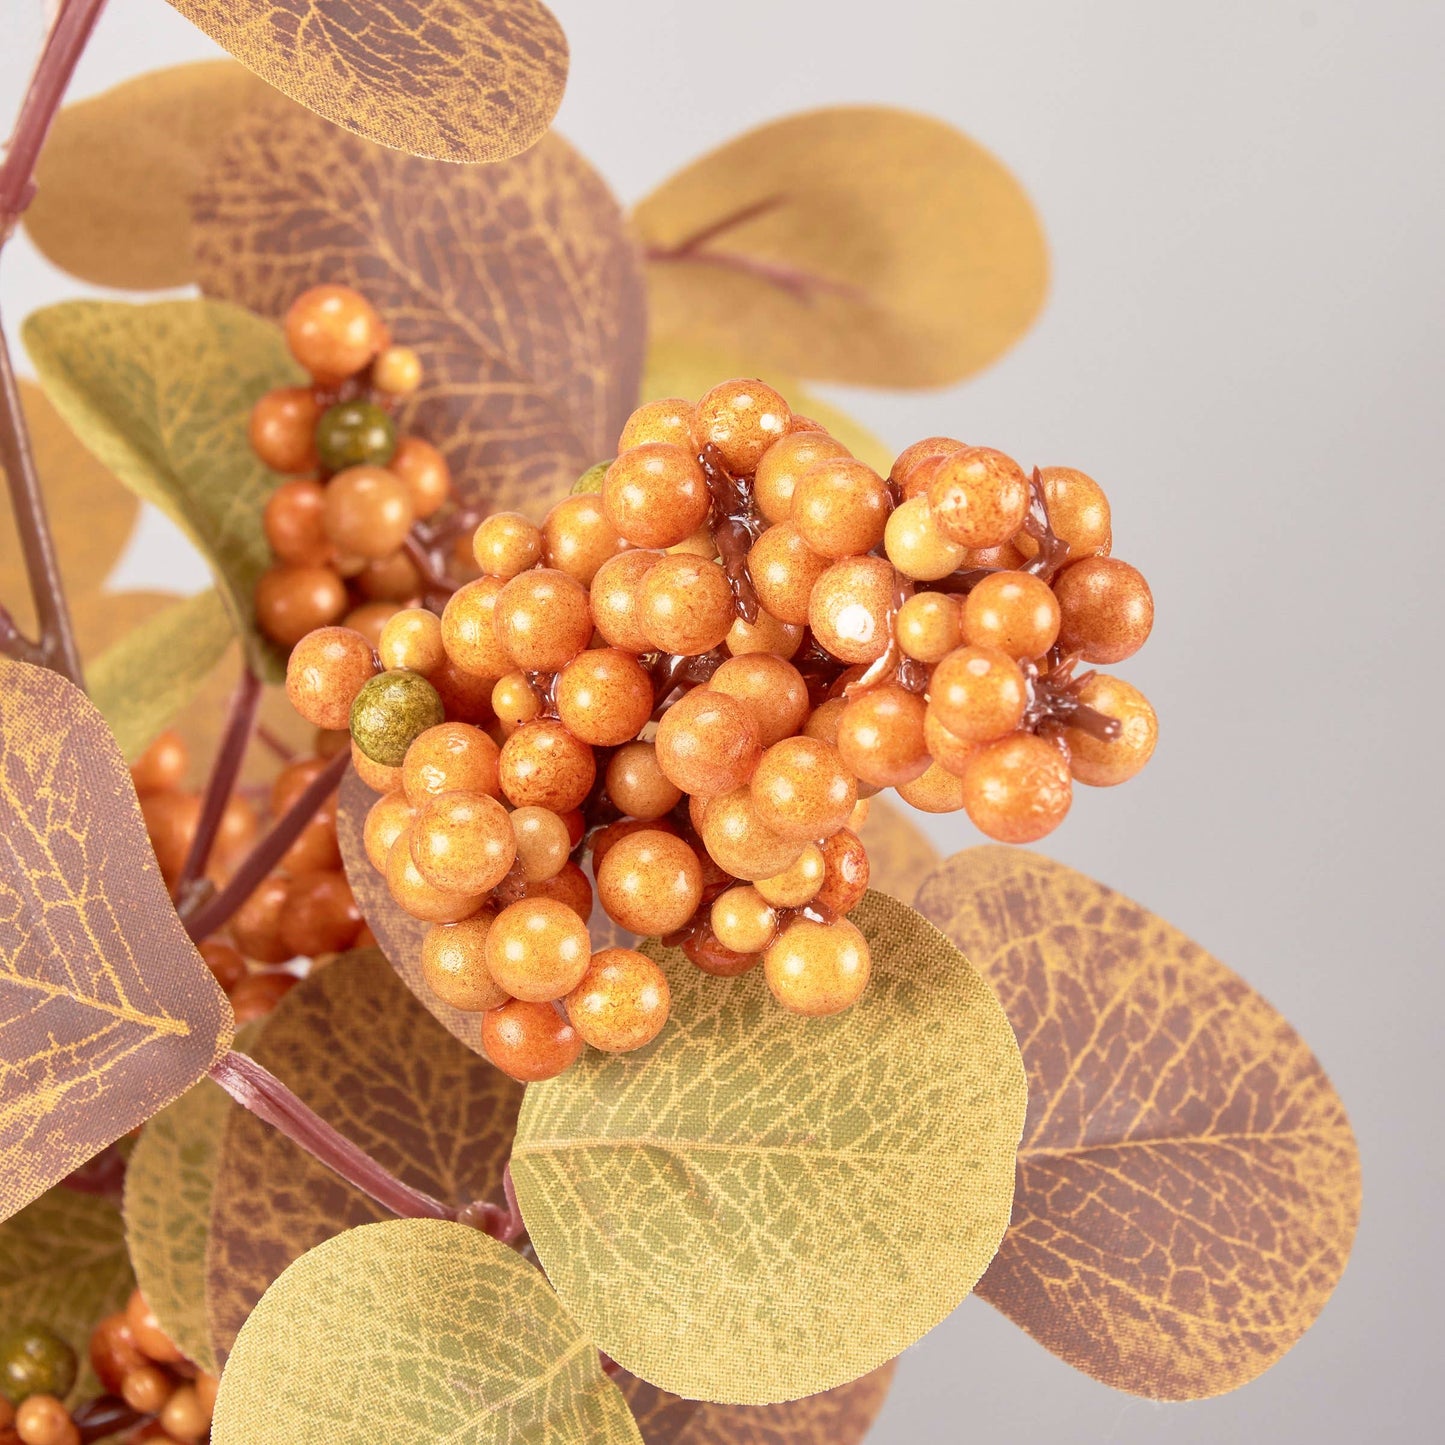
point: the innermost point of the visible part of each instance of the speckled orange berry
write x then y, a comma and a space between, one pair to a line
1106, 609
845, 872
917, 546
766, 634
1014, 612
880, 736
935, 790
909, 459
818, 968
798, 884
622, 1002
542, 843
454, 964
412, 639
538, 949
850, 608
707, 742
783, 463
784, 569
840, 507
324, 673
742, 419
740, 842
743, 920
802, 789
687, 605
667, 420
650, 882
515, 701
386, 820
542, 764
453, 757
604, 697
507, 544
544, 620
979, 496
1078, 512
978, 693
463, 842
1102, 763
578, 537
530, 1041
617, 599
1017, 789
636, 783
655, 494
469, 629
770, 688
929, 626
416, 895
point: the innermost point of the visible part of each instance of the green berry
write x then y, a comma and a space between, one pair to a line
355, 434
34, 1360
591, 479
390, 712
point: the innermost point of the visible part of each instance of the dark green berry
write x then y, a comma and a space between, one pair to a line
390, 712
34, 1360
355, 434
591, 479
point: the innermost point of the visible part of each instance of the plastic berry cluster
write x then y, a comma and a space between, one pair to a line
152, 1391
303, 909
340, 526
697, 669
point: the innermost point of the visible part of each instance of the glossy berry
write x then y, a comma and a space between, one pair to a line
151, 1339
113, 1351
851, 607
537, 949
845, 872
1013, 611
162, 766
707, 743
411, 639
880, 736
389, 579
294, 523
463, 842
636, 783
709, 955
917, 546
454, 964
367, 512
910, 459
333, 332
686, 605
1078, 512
947, 749
543, 765
44, 1420
256, 924
469, 629
668, 420
397, 371
798, 884
424, 472
570, 886
935, 790
355, 434
507, 544
1018, 789
183, 1416
741, 843
542, 843
34, 1360
321, 915
515, 701
771, 689
929, 625
530, 1041
369, 619
257, 995
818, 968
604, 697
650, 882
622, 1001
420, 898
802, 789
390, 712
655, 495
1100, 762
781, 466
282, 429
325, 671
291, 601
452, 757
743, 920
840, 507
578, 537
765, 634
543, 619
616, 599
1106, 609
386, 820
742, 419
147, 1389
784, 570
978, 693
979, 497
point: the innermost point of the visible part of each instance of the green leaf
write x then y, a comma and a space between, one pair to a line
759, 1206
168, 1186
161, 393
416, 1330
63, 1263
152, 673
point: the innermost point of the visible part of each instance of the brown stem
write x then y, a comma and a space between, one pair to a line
422, 559
104, 1416
261, 1092
14, 643
209, 916
277, 745
733, 522
240, 723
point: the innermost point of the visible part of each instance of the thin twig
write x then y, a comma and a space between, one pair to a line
261, 1092
240, 722
267, 853
277, 744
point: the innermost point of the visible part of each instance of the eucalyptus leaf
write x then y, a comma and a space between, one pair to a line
825, 1190
149, 676
416, 1330
161, 394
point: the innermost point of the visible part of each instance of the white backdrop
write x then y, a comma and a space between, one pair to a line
1243, 343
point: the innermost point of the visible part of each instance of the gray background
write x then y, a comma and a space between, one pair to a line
1243, 343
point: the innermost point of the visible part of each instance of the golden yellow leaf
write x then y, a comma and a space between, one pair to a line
107, 1011
759, 1206
454, 80
416, 1330
677, 367
518, 284
900, 857
1189, 1185
114, 181
357, 1047
858, 244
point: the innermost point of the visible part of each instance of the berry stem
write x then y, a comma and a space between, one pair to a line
104, 1416
276, 744
56, 647
203, 920
260, 1091
240, 723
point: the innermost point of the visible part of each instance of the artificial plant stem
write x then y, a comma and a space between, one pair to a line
215, 913
240, 723
261, 1092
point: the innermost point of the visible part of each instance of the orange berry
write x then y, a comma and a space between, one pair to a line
543, 842
978, 693
743, 921
544, 765
325, 672
617, 599
227, 966
507, 544
1102, 763
530, 1041
412, 639
282, 429
578, 537
543, 619
742, 419
740, 843
668, 420
294, 522
515, 701
801, 789
650, 882
935, 790
570, 886
880, 736
386, 820
423, 472
470, 633
917, 546
818, 968
840, 507
397, 371
604, 697
452, 757
784, 570
851, 608
463, 842
979, 496
1014, 612
163, 765
150, 1339
771, 689
637, 785
292, 601
1078, 512
798, 884
1106, 609
537, 949
419, 897
333, 332
256, 924
655, 495
845, 872
454, 964
707, 742
783, 463
1017, 789
367, 512
622, 1001
911, 457
259, 993
766, 634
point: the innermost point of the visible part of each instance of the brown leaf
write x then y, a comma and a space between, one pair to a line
352, 1042
900, 856
519, 284
841, 1416
107, 1011
112, 203
1188, 1183
457, 80
859, 244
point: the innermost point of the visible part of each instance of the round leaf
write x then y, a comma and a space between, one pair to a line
416, 1330
355, 1046
112, 203
63, 1264
826, 1190
1189, 1185
836, 1417
518, 284
161, 394
857, 244
168, 1184
107, 1012
477, 81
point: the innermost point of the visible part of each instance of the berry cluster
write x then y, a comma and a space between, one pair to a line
153, 1391
340, 526
698, 668
303, 909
